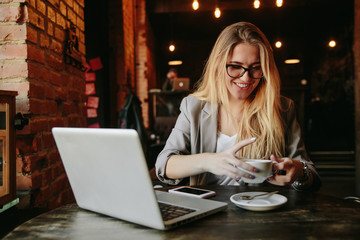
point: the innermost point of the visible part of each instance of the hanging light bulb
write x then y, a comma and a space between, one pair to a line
195, 5
279, 3
256, 4
332, 43
278, 44
172, 47
217, 12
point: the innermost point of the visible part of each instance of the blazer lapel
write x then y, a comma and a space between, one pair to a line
208, 128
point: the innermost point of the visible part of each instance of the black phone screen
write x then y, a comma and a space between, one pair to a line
192, 191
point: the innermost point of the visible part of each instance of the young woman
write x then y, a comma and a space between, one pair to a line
237, 112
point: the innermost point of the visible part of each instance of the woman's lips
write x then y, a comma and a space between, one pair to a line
243, 85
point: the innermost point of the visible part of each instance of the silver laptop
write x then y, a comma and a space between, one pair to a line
108, 174
181, 84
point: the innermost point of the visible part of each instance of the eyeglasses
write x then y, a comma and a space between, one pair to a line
237, 71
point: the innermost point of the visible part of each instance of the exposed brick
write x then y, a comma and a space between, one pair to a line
60, 93
51, 14
9, 13
37, 90
24, 143
71, 16
39, 125
58, 169
43, 73
56, 46
32, 3
82, 48
12, 32
32, 35
36, 54
48, 140
55, 78
44, 41
59, 184
19, 162
60, 20
55, 3
36, 19
42, 196
35, 106
76, 8
36, 145
59, 34
56, 122
81, 13
33, 70
80, 23
22, 105
13, 51
50, 108
41, 7
55, 62
23, 182
82, 37
51, 93
70, 3
36, 180
50, 28
63, 8
21, 87
67, 196
37, 161
38, 72
81, 2
47, 175
13, 69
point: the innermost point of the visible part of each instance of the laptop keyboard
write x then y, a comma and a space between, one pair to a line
169, 212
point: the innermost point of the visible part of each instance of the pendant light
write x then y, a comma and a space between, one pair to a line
195, 5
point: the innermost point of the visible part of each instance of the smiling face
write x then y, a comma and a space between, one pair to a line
247, 56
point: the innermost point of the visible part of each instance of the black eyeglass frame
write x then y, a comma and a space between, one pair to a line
246, 70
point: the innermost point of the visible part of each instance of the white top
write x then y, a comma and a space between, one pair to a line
223, 143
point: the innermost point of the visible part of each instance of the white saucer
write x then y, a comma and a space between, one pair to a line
261, 203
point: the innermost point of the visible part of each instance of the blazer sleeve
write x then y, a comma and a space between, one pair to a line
178, 142
294, 144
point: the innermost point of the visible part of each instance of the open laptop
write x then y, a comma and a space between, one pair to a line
181, 84
108, 174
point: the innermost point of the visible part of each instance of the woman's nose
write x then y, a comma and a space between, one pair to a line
246, 77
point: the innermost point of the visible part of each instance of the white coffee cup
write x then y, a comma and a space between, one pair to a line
265, 170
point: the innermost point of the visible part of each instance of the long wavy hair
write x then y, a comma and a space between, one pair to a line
261, 110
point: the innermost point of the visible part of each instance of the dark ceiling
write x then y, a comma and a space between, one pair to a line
304, 27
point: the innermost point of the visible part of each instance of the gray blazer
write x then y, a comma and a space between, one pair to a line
195, 132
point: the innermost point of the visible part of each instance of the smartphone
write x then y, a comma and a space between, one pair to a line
192, 192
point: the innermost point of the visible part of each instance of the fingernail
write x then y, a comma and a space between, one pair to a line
256, 170
237, 178
253, 139
252, 176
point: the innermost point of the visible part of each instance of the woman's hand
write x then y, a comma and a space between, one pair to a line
226, 162
294, 169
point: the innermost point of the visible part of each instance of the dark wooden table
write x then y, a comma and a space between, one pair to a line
306, 215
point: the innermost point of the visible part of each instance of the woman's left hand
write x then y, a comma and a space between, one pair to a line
293, 170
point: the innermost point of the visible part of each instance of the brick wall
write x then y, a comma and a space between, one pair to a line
145, 68
51, 92
132, 46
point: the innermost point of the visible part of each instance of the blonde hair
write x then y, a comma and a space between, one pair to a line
261, 111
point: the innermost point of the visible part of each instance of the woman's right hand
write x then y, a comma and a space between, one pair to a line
227, 164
